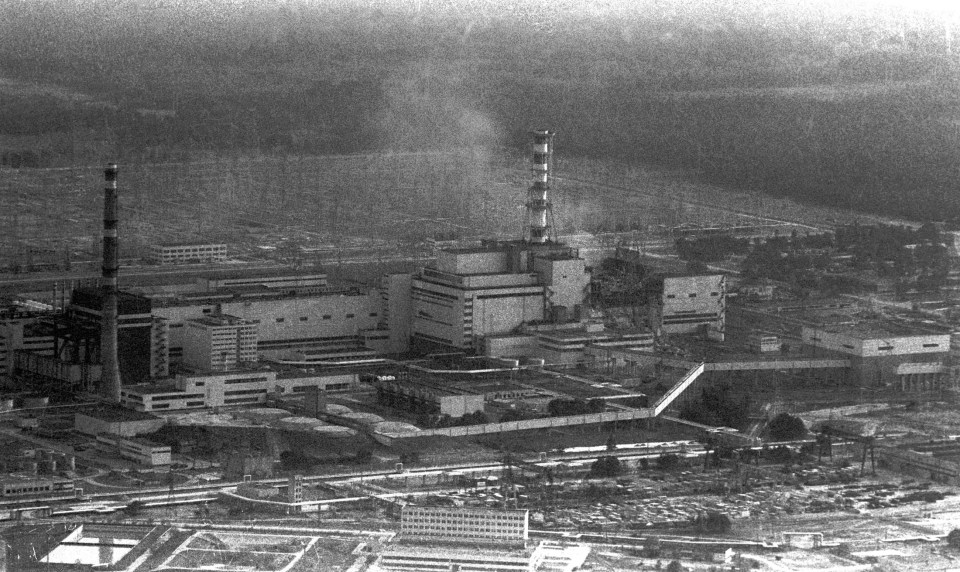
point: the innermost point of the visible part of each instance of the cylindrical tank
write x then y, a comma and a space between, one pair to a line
35, 401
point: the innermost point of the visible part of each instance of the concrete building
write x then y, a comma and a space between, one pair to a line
142, 341
219, 343
883, 353
117, 421
249, 387
189, 252
475, 292
419, 557
29, 334
431, 397
13, 485
142, 451
465, 525
690, 303
334, 320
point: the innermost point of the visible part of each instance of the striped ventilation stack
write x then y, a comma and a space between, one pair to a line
538, 203
110, 377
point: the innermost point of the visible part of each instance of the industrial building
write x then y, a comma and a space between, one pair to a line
471, 293
219, 343
465, 525
885, 354
28, 333
332, 320
415, 558
238, 387
188, 252
142, 451
431, 398
116, 421
690, 304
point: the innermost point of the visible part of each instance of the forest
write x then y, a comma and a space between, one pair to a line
829, 105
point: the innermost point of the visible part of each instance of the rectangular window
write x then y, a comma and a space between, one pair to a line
931, 345
671, 296
884, 348
279, 320
303, 318
694, 295
327, 316
350, 315
373, 314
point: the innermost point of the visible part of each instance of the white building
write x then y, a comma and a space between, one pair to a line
465, 525
219, 343
689, 303
140, 450
334, 321
230, 389
417, 558
884, 353
180, 253
475, 292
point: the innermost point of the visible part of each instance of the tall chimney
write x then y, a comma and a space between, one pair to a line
538, 203
110, 380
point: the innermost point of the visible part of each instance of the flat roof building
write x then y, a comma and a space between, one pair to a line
885, 353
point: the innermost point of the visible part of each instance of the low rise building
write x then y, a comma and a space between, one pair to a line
142, 451
689, 303
419, 557
884, 353
219, 342
465, 525
188, 252
116, 421
239, 387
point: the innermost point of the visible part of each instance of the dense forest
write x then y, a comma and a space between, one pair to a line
839, 106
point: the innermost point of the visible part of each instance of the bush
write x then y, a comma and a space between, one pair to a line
668, 461
786, 427
712, 522
606, 467
953, 539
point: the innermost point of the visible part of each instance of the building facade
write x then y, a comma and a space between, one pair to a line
219, 343
465, 525
691, 303
181, 253
235, 388
888, 355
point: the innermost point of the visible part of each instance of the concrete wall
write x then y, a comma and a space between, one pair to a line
566, 279
852, 343
89, 425
298, 319
473, 262
689, 302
